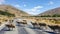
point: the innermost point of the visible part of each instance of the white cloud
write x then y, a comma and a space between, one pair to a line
37, 8
17, 6
33, 10
2, 1
50, 3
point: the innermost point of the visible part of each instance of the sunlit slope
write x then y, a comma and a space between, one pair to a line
51, 13
9, 12
13, 10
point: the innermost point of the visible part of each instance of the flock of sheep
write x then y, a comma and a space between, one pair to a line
35, 25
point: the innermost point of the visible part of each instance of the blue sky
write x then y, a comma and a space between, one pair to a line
33, 6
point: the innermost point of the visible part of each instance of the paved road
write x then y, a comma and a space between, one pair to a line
22, 30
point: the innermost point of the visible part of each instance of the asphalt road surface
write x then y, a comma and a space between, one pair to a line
22, 30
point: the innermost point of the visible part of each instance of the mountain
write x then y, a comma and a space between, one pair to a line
53, 12
10, 10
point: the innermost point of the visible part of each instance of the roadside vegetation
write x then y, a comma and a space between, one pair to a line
55, 15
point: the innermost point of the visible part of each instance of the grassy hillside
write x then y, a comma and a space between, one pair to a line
51, 13
13, 10
6, 14
10, 12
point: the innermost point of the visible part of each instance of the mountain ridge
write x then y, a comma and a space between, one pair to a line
51, 12
13, 10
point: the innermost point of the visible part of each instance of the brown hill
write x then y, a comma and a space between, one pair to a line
12, 10
52, 12
9, 12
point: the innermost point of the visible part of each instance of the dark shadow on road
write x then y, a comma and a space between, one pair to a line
6, 29
51, 32
41, 29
